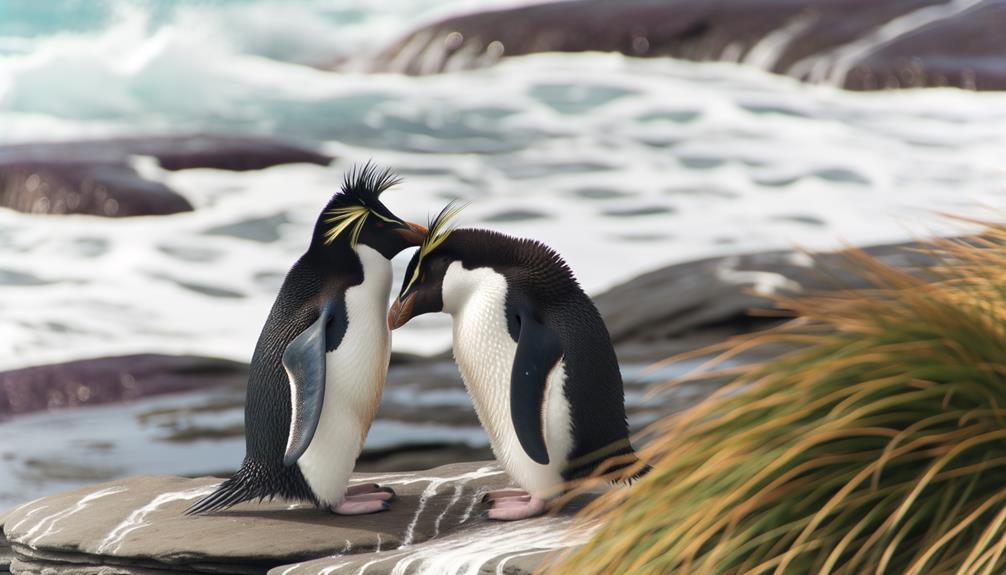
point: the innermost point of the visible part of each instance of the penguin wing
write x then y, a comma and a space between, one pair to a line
538, 351
304, 361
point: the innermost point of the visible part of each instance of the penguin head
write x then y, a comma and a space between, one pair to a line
422, 290
355, 215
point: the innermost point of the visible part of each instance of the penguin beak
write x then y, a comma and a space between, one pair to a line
401, 311
414, 233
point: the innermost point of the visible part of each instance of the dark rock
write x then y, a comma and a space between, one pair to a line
6, 555
955, 51
686, 306
96, 177
136, 525
111, 379
802, 39
61, 185
234, 153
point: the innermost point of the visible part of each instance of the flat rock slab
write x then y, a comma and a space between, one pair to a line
137, 526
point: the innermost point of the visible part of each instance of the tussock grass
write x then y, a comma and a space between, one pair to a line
877, 446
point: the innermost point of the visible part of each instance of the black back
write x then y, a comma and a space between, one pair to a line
308, 285
539, 279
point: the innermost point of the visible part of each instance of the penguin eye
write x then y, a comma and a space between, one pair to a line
380, 224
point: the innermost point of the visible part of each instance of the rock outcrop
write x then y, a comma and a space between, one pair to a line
111, 379
136, 526
685, 306
98, 178
858, 44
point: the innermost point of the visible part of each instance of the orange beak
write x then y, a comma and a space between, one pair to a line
401, 311
414, 234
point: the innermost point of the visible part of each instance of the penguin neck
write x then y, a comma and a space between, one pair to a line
338, 255
462, 287
376, 272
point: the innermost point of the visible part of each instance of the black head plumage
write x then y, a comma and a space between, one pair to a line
363, 186
355, 214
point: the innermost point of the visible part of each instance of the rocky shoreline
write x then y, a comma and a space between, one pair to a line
135, 526
436, 524
185, 414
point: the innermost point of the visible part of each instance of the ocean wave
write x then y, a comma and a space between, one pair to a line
622, 165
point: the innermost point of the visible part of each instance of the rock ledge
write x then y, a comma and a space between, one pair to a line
135, 526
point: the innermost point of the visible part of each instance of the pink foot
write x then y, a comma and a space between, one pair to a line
515, 508
362, 488
355, 507
502, 493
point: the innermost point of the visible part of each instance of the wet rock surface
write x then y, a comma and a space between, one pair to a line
111, 380
683, 307
136, 525
97, 177
858, 44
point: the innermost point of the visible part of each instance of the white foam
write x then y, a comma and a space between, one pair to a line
728, 160
466, 553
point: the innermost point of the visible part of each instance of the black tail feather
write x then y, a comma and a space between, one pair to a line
637, 475
239, 488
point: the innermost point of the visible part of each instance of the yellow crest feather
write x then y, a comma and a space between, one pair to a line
440, 229
343, 219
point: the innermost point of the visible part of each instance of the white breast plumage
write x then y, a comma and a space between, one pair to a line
355, 375
485, 352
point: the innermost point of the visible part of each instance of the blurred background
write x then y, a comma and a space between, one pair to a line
162, 163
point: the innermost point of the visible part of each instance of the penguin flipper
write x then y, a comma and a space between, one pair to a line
538, 351
304, 361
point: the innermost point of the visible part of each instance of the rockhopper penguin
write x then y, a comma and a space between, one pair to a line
319, 367
534, 354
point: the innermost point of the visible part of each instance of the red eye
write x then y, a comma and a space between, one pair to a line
380, 224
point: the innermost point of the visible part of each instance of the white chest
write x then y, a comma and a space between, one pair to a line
485, 352
355, 373
356, 369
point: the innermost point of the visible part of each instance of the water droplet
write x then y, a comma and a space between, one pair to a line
495, 49
454, 40
33, 182
640, 45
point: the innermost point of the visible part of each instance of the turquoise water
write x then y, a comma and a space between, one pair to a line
622, 165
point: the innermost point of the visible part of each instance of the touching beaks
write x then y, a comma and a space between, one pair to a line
414, 233
401, 311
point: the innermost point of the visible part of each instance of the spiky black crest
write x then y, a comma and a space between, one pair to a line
364, 185
358, 199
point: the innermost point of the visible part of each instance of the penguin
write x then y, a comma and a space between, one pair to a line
318, 370
534, 353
